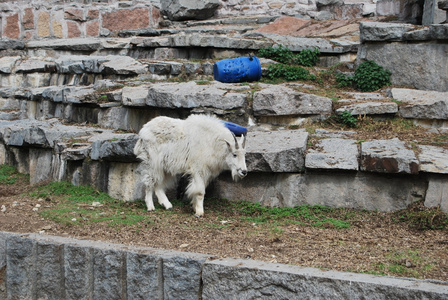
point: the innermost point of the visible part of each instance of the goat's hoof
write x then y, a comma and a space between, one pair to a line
169, 208
198, 216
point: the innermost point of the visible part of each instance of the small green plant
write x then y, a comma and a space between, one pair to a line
280, 53
289, 73
368, 77
422, 218
347, 119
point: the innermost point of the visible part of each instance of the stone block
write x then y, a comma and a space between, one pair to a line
12, 27
369, 108
49, 274
433, 159
276, 151
333, 154
125, 19
135, 95
28, 19
21, 267
114, 147
437, 193
7, 63
421, 104
144, 272
246, 279
388, 156
78, 272
382, 32
182, 276
281, 100
192, 95
43, 24
348, 189
124, 181
109, 274
179, 10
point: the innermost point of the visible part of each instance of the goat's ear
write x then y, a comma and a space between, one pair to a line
229, 146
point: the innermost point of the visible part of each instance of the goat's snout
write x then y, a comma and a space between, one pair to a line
242, 173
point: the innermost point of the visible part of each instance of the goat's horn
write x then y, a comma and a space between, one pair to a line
236, 142
244, 141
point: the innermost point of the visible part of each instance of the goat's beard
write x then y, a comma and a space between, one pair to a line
236, 176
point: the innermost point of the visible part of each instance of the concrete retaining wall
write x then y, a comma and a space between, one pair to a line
46, 267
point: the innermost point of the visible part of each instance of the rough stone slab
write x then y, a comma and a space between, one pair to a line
74, 44
109, 274
437, 193
333, 154
143, 275
135, 95
49, 275
433, 159
419, 65
193, 95
123, 65
7, 63
3, 237
418, 104
35, 65
246, 279
369, 108
279, 100
78, 272
179, 10
358, 190
37, 133
388, 156
20, 271
381, 31
79, 64
115, 147
276, 151
182, 277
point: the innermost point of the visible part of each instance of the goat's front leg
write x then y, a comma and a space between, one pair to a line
148, 199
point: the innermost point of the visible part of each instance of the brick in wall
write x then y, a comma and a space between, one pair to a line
126, 19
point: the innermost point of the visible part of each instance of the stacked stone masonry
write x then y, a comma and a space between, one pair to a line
46, 267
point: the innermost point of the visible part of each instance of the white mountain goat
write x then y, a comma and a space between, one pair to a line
200, 147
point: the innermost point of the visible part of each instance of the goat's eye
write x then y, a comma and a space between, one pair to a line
234, 154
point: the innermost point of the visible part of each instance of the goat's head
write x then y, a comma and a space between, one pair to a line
236, 157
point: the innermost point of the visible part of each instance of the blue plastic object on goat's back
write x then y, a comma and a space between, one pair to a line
235, 128
240, 69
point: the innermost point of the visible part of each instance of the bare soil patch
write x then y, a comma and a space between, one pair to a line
376, 243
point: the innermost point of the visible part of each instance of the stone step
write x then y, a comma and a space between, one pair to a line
88, 155
129, 104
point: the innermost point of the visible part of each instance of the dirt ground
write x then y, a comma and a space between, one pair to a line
374, 243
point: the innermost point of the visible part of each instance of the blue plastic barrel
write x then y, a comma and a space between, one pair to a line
240, 69
235, 128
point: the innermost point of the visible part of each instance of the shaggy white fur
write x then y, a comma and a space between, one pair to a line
200, 146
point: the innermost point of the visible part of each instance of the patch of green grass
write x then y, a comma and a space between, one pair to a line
9, 175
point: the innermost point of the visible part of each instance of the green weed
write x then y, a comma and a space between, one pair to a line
8, 174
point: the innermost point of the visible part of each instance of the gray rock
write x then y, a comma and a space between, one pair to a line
12, 45
381, 32
433, 159
192, 95
109, 274
20, 273
143, 271
35, 65
358, 190
78, 272
159, 68
182, 276
276, 151
369, 108
78, 64
49, 274
245, 279
135, 95
333, 154
388, 156
419, 65
7, 63
280, 100
178, 10
75, 44
436, 195
123, 65
114, 147
417, 104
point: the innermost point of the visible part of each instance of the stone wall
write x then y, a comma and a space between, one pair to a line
37, 19
36, 266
